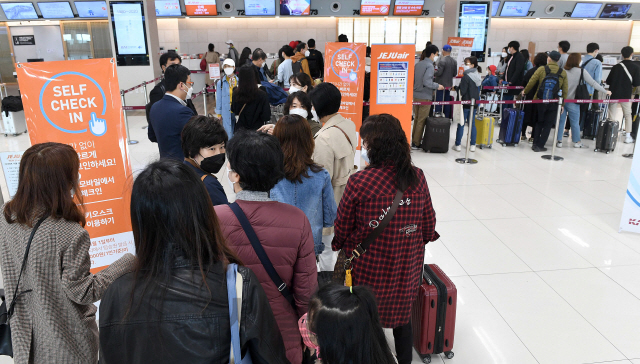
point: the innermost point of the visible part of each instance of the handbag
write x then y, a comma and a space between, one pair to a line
262, 255
241, 110
582, 93
342, 270
234, 295
203, 63
6, 348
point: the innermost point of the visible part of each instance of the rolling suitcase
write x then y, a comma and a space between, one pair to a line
607, 133
485, 123
591, 123
436, 134
511, 127
433, 314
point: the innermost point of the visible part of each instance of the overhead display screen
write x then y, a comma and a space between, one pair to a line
586, 10
494, 8
295, 7
17, 11
91, 9
168, 8
408, 7
515, 8
375, 7
615, 11
259, 7
128, 26
473, 23
201, 7
56, 10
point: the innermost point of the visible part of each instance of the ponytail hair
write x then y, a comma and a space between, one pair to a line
387, 145
474, 62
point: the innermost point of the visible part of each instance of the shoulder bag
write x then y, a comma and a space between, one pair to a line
6, 348
582, 93
234, 295
342, 270
241, 110
262, 255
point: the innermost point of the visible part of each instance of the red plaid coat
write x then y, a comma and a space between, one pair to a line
393, 264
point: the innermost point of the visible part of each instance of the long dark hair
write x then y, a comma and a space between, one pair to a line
172, 217
47, 178
387, 145
244, 56
296, 141
347, 326
247, 89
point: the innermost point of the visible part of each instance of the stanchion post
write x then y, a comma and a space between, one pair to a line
466, 158
204, 97
553, 155
126, 121
146, 98
500, 106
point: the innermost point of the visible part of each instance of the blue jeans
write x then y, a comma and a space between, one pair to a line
460, 130
573, 110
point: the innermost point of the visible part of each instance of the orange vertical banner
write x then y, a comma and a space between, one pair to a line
82, 108
344, 67
392, 81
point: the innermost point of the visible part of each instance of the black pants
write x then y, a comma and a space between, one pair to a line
403, 338
547, 114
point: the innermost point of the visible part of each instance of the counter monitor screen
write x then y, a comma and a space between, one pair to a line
408, 7
168, 8
91, 9
473, 22
515, 8
259, 7
586, 10
127, 18
56, 10
375, 7
201, 7
615, 11
18, 11
494, 8
295, 7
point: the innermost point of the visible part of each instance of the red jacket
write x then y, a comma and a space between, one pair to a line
286, 236
393, 263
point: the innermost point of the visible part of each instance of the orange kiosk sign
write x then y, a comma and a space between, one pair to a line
392, 81
82, 108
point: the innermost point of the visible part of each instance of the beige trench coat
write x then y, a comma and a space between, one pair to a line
56, 322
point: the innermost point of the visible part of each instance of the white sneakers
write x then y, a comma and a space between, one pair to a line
579, 145
559, 145
457, 148
628, 139
473, 148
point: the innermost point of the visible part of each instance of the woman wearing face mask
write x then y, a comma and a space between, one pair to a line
245, 57
502, 66
224, 88
250, 104
298, 103
300, 82
469, 89
306, 184
256, 164
203, 144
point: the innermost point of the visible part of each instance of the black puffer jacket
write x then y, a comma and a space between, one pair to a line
188, 327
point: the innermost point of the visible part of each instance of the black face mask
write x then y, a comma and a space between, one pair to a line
213, 164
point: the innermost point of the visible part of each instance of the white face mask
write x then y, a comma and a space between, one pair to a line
189, 93
466, 67
293, 89
436, 58
231, 184
314, 115
307, 54
228, 71
301, 112
504, 54
229, 46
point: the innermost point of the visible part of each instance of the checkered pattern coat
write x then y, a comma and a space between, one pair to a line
55, 323
393, 263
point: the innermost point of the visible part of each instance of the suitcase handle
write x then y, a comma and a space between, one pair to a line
605, 109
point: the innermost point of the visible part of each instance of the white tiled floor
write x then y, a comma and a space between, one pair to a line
543, 275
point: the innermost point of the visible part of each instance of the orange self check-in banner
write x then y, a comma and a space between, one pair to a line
78, 103
392, 81
344, 67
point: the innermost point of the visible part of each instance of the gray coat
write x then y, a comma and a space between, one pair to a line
56, 322
423, 84
447, 70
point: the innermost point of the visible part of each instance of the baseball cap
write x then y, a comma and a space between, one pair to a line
554, 55
229, 42
446, 48
229, 62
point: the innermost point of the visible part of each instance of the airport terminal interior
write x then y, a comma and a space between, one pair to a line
543, 271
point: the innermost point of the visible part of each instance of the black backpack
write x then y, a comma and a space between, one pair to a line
296, 67
12, 104
550, 85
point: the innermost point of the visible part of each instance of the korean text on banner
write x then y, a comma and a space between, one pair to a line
630, 220
345, 70
214, 71
82, 108
392, 67
460, 49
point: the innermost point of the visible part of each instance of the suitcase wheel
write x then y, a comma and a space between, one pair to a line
426, 358
595, 150
608, 151
449, 354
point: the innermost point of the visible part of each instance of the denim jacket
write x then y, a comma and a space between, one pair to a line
314, 196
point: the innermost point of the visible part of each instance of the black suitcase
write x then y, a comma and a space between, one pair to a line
591, 123
607, 134
436, 135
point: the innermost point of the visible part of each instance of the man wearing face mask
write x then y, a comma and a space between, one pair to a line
446, 71
299, 60
233, 52
169, 115
203, 144
423, 88
159, 90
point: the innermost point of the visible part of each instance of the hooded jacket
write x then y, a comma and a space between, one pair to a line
305, 64
470, 86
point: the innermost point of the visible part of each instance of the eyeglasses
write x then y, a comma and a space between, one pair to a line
190, 84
